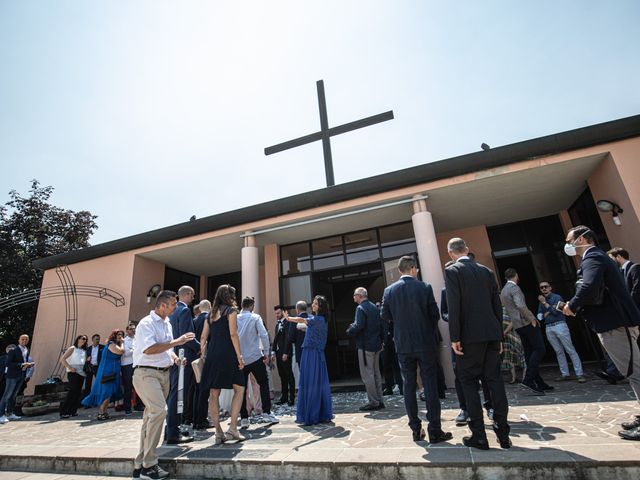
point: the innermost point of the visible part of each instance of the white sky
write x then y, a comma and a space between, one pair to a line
148, 112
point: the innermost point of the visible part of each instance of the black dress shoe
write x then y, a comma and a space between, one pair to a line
631, 425
368, 407
281, 402
545, 387
203, 426
630, 434
440, 437
387, 392
605, 376
180, 439
505, 442
381, 406
419, 435
291, 403
481, 444
533, 387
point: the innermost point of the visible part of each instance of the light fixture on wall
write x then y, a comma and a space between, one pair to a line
153, 292
609, 206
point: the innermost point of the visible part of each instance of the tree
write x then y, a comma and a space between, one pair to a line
32, 228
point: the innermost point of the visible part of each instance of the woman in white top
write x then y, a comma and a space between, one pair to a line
74, 360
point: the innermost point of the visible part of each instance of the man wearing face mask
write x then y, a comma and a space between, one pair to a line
603, 300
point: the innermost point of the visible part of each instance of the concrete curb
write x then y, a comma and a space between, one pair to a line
277, 470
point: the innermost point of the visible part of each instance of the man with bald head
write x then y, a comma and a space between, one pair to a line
181, 323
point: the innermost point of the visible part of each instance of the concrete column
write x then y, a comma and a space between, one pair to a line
431, 271
250, 270
271, 297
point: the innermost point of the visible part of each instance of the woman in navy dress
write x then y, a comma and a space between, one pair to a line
314, 394
223, 363
106, 386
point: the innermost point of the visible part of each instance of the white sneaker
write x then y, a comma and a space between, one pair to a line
3, 420
13, 416
244, 423
270, 418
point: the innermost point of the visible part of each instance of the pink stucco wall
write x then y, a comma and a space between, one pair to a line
616, 179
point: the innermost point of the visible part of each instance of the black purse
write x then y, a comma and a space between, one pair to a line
87, 369
108, 378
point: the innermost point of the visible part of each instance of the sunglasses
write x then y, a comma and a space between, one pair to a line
542, 287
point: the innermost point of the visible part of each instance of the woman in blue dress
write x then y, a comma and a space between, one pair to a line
314, 394
106, 386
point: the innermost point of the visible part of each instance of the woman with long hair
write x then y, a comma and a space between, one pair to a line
223, 363
314, 393
73, 360
106, 386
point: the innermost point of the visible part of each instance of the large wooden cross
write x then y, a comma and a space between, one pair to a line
326, 133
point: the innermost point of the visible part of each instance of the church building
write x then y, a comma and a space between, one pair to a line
512, 204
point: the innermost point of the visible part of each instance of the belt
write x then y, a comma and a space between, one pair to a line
161, 369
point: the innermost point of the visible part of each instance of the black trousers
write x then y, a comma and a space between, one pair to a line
534, 351
391, 368
88, 380
483, 360
288, 381
201, 406
74, 395
259, 371
486, 393
427, 361
127, 385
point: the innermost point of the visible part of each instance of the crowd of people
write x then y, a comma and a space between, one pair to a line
187, 367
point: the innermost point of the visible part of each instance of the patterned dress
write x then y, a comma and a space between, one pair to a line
513, 355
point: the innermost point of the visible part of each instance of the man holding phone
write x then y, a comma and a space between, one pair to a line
550, 312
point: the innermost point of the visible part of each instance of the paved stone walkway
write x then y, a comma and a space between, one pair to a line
575, 424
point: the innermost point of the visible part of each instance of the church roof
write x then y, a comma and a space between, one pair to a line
472, 162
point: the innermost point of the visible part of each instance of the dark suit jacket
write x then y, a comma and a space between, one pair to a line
100, 350
296, 338
198, 324
368, 328
181, 323
617, 308
411, 306
280, 344
444, 308
475, 311
14, 364
632, 276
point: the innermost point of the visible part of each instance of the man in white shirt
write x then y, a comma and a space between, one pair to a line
254, 345
153, 356
94, 355
126, 367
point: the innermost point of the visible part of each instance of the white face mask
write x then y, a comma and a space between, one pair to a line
570, 248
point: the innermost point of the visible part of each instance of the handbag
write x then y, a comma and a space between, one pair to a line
87, 368
108, 378
198, 365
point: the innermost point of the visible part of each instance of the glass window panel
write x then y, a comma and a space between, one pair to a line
295, 258
391, 272
328, 262
327, 253
399, 250
363, 256
393, 234
296, 288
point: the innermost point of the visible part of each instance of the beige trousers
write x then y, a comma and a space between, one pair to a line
153, 388
616, 343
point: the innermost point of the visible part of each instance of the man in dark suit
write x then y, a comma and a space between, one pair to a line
604, 301
94, 355
410, 304
296, 334
630, 272
475, 327
17, 364
369, 331
181, 323
281, 351
201, 397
